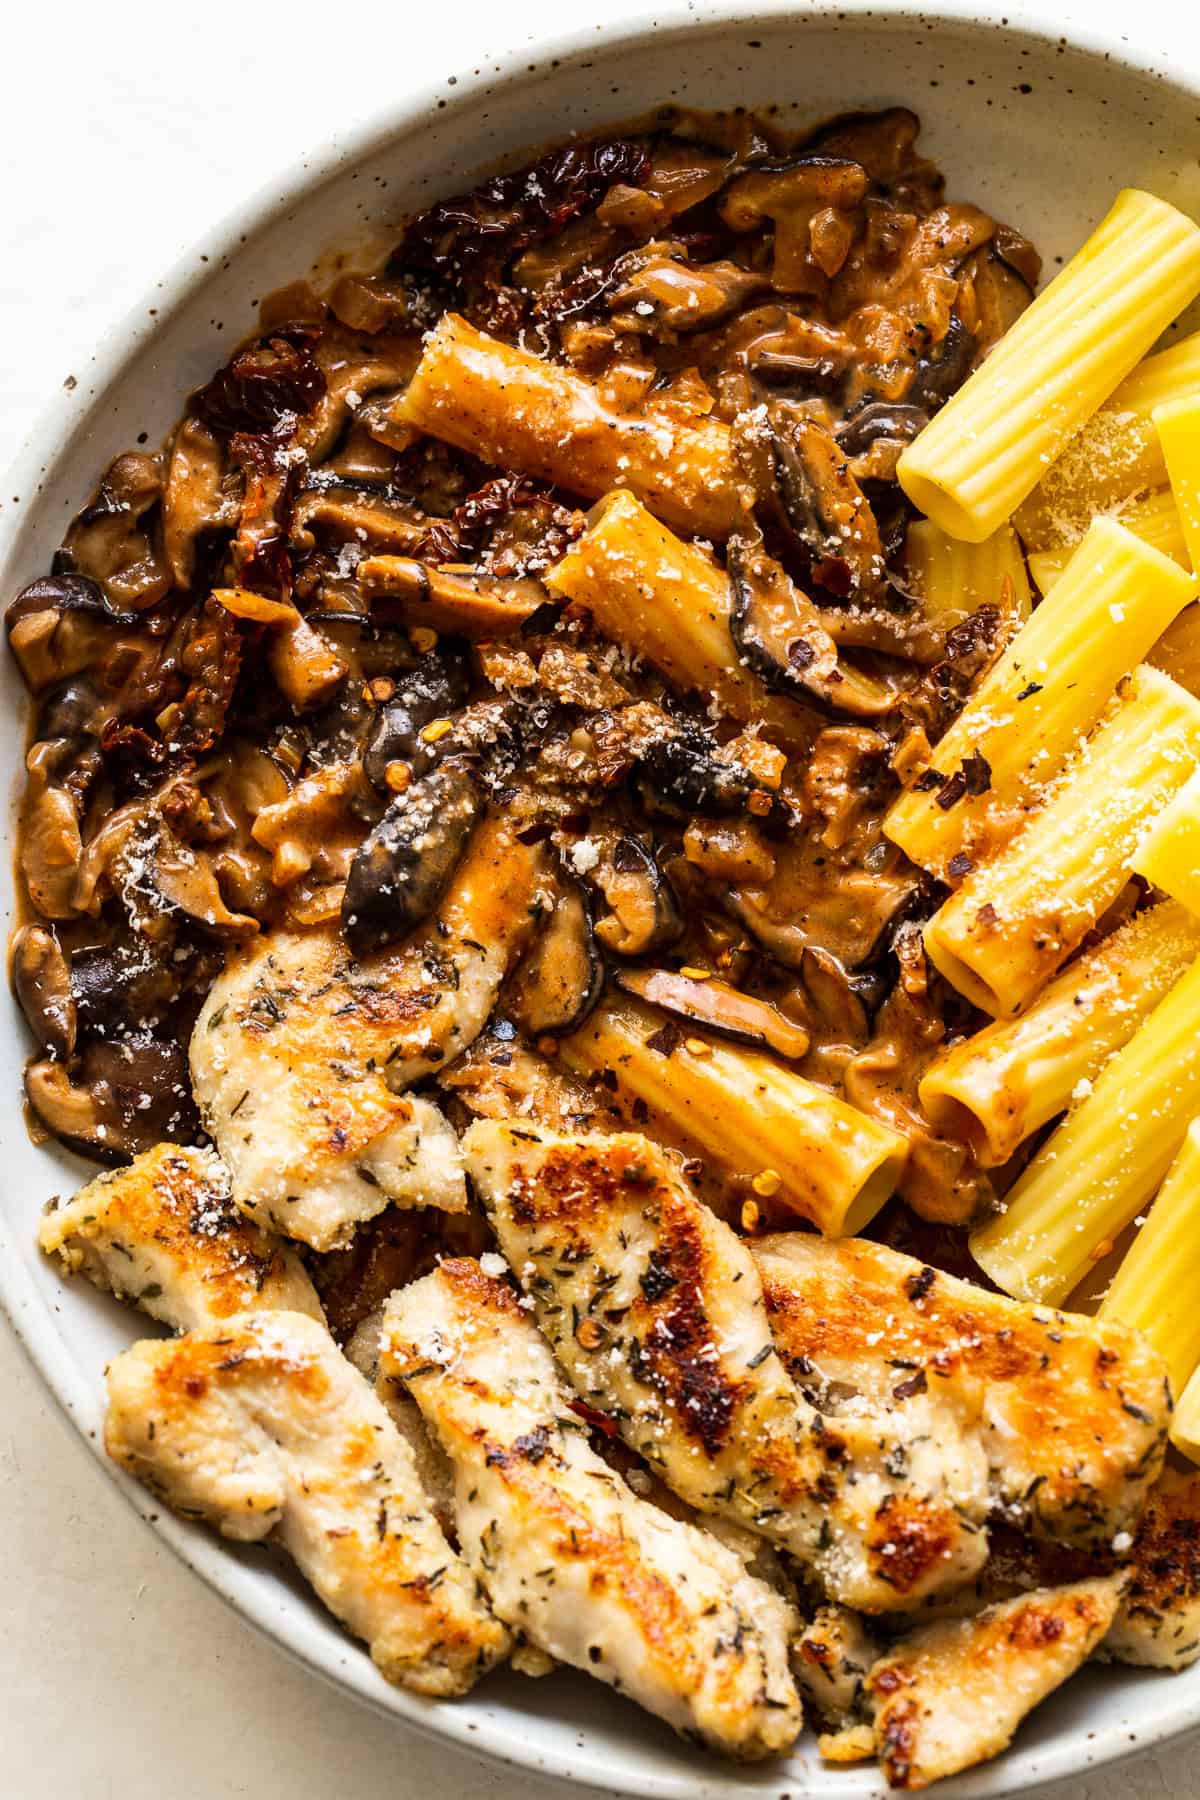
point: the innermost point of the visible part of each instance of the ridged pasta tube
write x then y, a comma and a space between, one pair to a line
671, 602
955, 579
1047, 691
1117, 454
834, 1166
1151, 1290
524, 412
1177, 423
1185, 1425
1168, 853
1105, 1160
1154, 519
998, 1087
1177, 651
1014, 922
988, 447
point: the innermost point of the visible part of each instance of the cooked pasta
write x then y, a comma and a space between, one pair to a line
1014, 921
1177, 651
670, 602
1100, 1167
986, 450
955, 578
1000, 1085
1185, 1424
1154, 519
520, 411
1178, 425
1157, 1287
812, 1152
1117, 454
1047, 690
1168, 853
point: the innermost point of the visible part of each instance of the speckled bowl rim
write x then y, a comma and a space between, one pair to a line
75, 1388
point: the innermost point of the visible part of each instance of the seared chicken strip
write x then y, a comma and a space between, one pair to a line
1073, 1411
832, 1657
656, 1313
566, 1551
301, 1052
164, 1235
953, 1694
260, 1426
1158, 1626
433, 1466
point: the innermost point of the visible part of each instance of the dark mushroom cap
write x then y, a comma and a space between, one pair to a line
403, 867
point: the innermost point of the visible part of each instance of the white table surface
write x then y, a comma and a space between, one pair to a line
125, 130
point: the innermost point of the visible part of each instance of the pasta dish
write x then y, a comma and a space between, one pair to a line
612, 844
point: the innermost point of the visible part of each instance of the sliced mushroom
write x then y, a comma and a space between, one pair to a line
811, 203
941, 373
681, 175
560, 980
159, 875
781, 635
352, 370
82, 1120
355, 512
130, 1094
681, 774
59, 626
451, 599
435, 689
404, 866
49, 835
642, 915
114, 983
42, 982
200, 500
382, 417
719, 1007
993, 292
663, 295
824, 505
107, 542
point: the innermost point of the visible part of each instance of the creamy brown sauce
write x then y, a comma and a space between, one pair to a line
204, 768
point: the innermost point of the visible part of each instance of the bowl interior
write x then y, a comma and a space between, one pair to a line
1037, 132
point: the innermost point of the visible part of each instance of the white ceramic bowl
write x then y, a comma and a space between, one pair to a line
1038, 131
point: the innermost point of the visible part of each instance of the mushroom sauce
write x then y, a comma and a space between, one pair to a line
240, 725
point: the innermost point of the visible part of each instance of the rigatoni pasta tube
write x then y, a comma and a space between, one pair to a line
752, 1117
1177, 423
1048, 689
1185, 1425
524, 412
999, 1086
1015, 921
988, 447
1117, 454
1168, 853
1096, 1172
1157, 1287
1154, 519
955, 579
671, 602
1177, 651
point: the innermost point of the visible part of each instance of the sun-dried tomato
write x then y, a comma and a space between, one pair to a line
262, 386
509, 212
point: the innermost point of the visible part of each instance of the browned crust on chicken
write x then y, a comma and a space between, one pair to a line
1074, 1410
